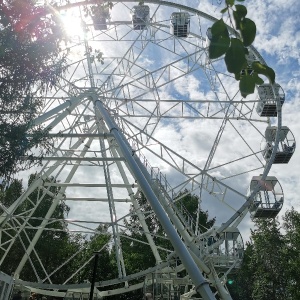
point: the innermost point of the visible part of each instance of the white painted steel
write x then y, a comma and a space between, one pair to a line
105, 155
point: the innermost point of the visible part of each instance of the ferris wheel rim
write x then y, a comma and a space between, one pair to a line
269, 163
207, 16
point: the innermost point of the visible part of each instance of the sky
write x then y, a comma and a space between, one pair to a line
277, 40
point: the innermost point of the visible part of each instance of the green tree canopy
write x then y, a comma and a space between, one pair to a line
270, 269
136, 251
31, 60
54, 246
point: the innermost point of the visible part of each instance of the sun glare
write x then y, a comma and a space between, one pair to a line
73, 27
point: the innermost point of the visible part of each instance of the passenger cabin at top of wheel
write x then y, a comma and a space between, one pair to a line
268, 200
286, 146
267, 104
140, 15
180, 24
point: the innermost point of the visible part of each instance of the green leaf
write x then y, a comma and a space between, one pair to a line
2, 51
220, 40
237, 76
239, 14
264, 70
219, 29
230, 2
240, 0
241, 10
248, 31
224, 10
218, 47
235, 56
247, 85
257, 79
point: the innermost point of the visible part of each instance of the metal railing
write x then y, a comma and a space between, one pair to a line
160, 182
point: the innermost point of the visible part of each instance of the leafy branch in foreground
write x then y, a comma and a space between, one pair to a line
31, 60
235, 47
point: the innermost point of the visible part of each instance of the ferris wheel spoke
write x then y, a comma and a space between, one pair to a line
159, 72
178, 162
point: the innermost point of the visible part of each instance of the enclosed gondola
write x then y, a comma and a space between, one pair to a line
286, 146
267, 99
226, 249
268, 200
180, 24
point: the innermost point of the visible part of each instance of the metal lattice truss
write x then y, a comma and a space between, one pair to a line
155, 116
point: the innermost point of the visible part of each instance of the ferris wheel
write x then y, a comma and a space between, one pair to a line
143, 113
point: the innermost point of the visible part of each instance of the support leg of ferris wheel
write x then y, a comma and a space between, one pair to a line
201, 284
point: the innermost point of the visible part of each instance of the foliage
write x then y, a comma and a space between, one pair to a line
243, 279
53, 247
136, 251
235, 45
30, 60
190, 203
136, 254
292, 259
56, 244
269, 278
96, 243
270, 269
100, 10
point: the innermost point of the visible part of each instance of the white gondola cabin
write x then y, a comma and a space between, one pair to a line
226, 249
286, 146
165, 285
180, 24
267, 104
268, 201
140, 16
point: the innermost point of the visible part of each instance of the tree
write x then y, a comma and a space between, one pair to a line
136, 253
291, 225
54, 246
269, 277
30, 60
270, 269
242, 286
98, 242
190, 203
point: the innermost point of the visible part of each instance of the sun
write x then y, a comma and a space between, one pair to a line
72, 26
